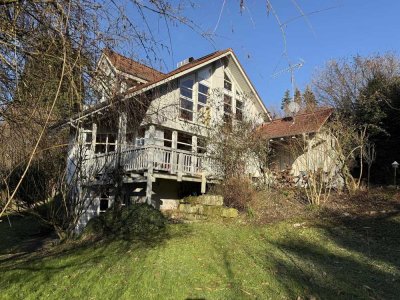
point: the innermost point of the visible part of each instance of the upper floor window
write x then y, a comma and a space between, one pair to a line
167, 138
201, 146
184, 141
227, 108
239, 106
227, 82
105, 142
202, 101
186, 99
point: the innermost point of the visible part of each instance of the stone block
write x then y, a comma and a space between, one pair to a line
230, 213
169, 204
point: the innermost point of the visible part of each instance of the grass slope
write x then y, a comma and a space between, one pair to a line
343, 259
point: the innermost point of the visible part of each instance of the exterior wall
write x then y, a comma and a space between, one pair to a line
164, 113
164, 110
317, 153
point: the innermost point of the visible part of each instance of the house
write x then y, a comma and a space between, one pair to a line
144, 140
302, 143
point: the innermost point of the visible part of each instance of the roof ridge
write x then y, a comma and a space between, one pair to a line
202, 58
133, 60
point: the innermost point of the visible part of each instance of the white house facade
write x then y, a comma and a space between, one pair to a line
145, 140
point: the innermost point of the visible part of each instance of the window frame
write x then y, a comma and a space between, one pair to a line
239, 98
186, 98
106, 143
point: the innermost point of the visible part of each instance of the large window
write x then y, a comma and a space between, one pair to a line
227, 82
239, 107
184, 141
105, 142
186, 99
201, 146
167, 138
202, 100
227, 108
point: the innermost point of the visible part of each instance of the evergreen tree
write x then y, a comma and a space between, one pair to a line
286, 100
298, 98
41, 77
310, 102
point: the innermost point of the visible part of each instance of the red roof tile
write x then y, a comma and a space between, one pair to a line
301, 123
132, 67
182, 68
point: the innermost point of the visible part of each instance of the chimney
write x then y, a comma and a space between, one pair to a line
185, 62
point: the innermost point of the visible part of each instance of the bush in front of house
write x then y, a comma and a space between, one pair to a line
238, 192
136, 221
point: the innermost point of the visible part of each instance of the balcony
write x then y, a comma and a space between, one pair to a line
149, 158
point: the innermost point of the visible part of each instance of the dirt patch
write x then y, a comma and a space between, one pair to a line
278, 205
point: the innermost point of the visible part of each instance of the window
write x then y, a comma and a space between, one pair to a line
202, 111
87, 136
105, 142
227, 82
167, 138
201, 146
239, 107
104, 203
184, 141
227, 108
186, 99
140, 137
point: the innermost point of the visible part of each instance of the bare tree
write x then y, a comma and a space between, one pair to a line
67, 38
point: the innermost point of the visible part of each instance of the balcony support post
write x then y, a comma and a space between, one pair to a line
174, 146
150, 165
193, 161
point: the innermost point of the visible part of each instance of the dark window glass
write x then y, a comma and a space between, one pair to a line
101, 138
88, 138
100, 148
186, 92
111, 148
186, 104
112, 137
167, 138
227, 99
227, 83
103, 205
187, 115
203, 89
184, 141
202, 98
239, 115
187, 83
201, 146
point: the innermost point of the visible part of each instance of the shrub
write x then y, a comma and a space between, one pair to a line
138, 220
237, 192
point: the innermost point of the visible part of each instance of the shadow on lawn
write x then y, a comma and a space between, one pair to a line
356, 258
84, 254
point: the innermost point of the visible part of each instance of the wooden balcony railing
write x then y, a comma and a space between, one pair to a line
152, 157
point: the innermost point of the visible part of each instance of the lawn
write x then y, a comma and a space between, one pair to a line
343, 258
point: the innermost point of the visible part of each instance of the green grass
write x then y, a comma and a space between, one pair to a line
345, 259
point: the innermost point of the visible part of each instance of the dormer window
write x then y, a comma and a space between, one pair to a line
186, 99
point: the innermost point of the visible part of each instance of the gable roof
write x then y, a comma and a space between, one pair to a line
132, 67
196, 64
302, 123
189, 66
